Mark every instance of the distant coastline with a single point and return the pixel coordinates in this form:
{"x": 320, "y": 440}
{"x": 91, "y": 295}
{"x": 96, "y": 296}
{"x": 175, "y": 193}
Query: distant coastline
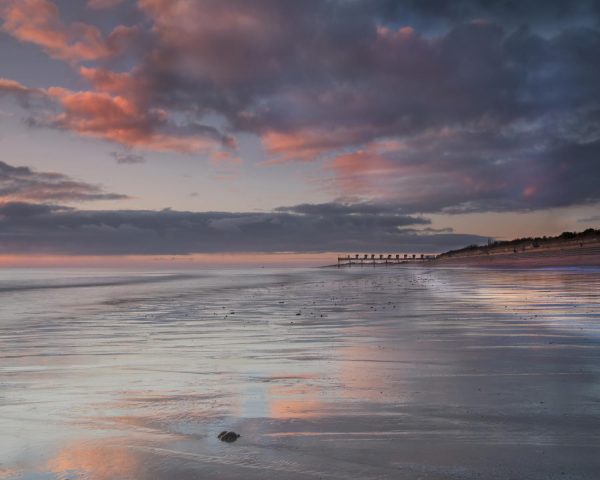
{"x": 565, "y": 250}
{"x": 569, "y": 249}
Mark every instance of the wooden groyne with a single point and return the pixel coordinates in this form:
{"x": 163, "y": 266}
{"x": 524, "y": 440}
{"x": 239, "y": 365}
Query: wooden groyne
{"x": 370, "y": 259}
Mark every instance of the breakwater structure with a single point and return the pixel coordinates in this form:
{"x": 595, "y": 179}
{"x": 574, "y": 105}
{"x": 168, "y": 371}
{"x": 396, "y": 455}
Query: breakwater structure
{"x": 371, "y": 259}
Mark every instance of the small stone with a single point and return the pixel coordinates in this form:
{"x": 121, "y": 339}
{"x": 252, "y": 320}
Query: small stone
{"x": 228, "y": 437}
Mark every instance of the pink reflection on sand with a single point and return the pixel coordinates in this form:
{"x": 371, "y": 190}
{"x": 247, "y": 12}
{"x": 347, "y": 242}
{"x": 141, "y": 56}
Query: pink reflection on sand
{"x": 298, "y": 400}
{"x": 97, "y": 460}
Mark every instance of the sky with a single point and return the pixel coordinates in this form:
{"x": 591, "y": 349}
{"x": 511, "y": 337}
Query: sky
{"x": 206, "y": 130}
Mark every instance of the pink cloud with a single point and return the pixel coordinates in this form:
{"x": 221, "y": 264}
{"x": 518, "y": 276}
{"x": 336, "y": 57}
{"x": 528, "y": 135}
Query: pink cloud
{"x": 123, "y": 83}
{"x": 303, "y": 145}
{"x": 12, "y": 86}
{"x": 200, "y": 32}
{"x": 226, "y": 157}
{"x": 123, "y": 118}
{"x": 362, "y": 172}
{"x": 530, "y": 191}
{"x": 39, "y": 22}
{"x": 118, "y": 119}
{"x": 309, "y": 144}
{"x": 402, "y": 34}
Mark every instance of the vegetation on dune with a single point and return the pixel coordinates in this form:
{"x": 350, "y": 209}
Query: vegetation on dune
{"x": 534, "y": 242}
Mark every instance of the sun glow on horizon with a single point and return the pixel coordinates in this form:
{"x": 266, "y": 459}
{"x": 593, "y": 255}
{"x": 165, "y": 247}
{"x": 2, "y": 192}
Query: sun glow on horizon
{"x": 169, "y": 261}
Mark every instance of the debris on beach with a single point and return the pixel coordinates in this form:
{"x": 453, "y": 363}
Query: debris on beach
{"x": 228, "y": 437}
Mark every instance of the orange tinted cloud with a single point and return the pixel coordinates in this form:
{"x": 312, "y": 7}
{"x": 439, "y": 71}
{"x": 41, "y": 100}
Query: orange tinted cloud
{"x": 306, "y": 144}
{"x": 530, "y": 191}
{"x": 295, "y": 145}
{"x": 12, "y": 86}
{"x": 201, "y": 32}
{"x": 226, "y": 157}
{"x": 118, "y": 119}
{"x": 134, "y": 88}
{"x": 38, "y": 22}
{"x": 118, "y": 111}
{"x": 401, "y": 35}
{"x": 109, "y": 81}
{"x": 358, "y": 172}
{"x": 368, "y": 168}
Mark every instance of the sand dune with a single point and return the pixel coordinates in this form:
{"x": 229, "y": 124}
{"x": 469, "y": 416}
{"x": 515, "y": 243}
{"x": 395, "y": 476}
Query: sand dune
{"x": 573, "y": 254}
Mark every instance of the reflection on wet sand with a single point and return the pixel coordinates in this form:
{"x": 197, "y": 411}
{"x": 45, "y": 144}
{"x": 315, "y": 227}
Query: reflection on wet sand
{"x": 97, "y": 460}
{"x": 9, "y": 472}
{"x": 400, "y": 373}
{"x": 300, "y": 400}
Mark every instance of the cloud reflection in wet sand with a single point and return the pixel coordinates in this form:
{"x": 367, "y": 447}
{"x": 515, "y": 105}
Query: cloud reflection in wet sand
{"x": 97, "y": 460}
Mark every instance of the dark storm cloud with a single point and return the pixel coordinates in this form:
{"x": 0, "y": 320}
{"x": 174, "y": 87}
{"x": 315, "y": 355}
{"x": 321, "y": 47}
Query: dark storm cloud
{"x": 548, "y": 13}
{"x": 25, "y": 184}
{"x": 24, "y": 210}
{"x": 339, "y": 208}
{"x": 495, "y": 170}
{"x": 506, "y": 91}
{"x": 50, "y": 229}
{"x": 272, "y": 65}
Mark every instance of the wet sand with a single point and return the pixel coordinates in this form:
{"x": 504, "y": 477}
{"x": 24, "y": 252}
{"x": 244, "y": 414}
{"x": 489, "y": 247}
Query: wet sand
{"x": 425, "y": 373}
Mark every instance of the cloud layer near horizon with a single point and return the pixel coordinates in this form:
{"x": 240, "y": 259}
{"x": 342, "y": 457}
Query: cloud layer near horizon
{"x": 52, "y": 229}
{"x": 32, "y": 220}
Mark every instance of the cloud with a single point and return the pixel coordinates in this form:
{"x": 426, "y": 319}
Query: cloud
{"x": 592, "y": 219}
{"x": 463, "y": 170}
{"x": 39, "y": 22}
{"x": 347, "y": 209}
{"x": 102, "y": 4}
{"x": 51, "y": 229}
{"x": 23, "y": 210}
{"x": 486, "y": 106}
{"x": 122, "y": 83}
{"x": 127, "y": 158}
{"x": 485, "y": 103}
{"x": 8, "y": 86}
{"x": 547, "y": 14}
{"x": 120, "y": 118}
{"x": 122, "y": 121}
{"x": 19, "y": 185}
{"x": 26, "y": 97}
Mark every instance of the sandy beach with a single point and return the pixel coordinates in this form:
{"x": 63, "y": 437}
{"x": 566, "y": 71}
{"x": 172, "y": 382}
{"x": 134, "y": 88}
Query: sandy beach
{"x": 555, "y": 254}
{"x": 399, "y": 373}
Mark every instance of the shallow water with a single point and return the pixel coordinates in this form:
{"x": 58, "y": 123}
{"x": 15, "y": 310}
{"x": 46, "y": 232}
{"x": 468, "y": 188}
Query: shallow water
{"x": 358, "y": 373}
